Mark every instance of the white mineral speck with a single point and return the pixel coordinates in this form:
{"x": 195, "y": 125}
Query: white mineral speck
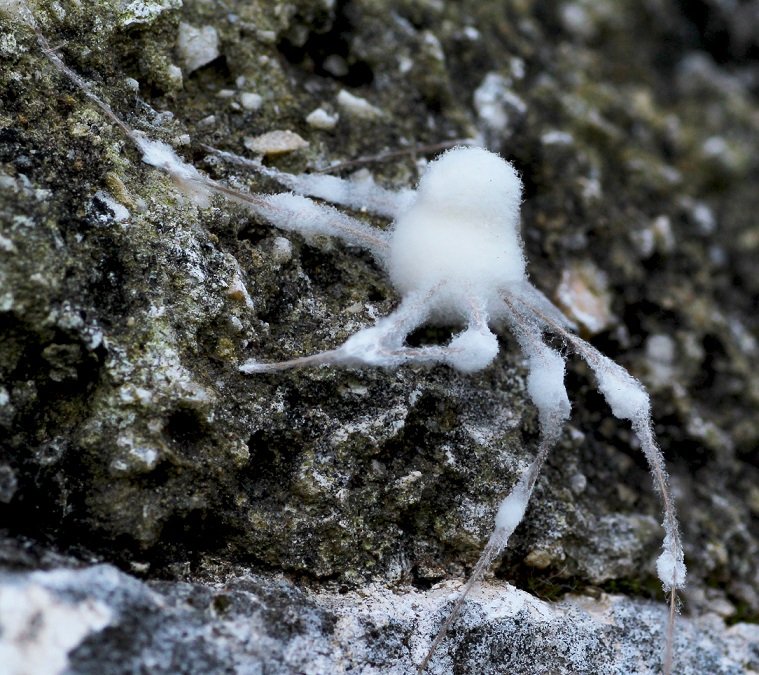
{"x": 405, "y": 64}
{"x": 496, "y": 103}
{"x": 578, "y": 482}
{"x": 276, "y": 142}
{"x": 584, "y": 295}
{"x": 704, "y": 218}
{"x": 144, "y": 458}
{"x": 358, "y": 107}
{"x": 197, "y": 46}
{"x": 282, "y": 250}
{"x": 660, "y": 354}
{"x": 251, "y": 101}
{"x": 174, "y": 74}
{"x": 145, "y": 11}
{"x": 120, "y": 212}
{"x": 237, "y": 291}
{"x": 556, "y": 138}
{"x": 8, "y": 44}
{"x": 6, "y": 244}
{"x": 335, "y": 65}
{"x": 321, "y": 119}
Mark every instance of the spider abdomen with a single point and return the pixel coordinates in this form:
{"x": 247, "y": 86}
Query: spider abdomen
{"x": 462, "y": 232}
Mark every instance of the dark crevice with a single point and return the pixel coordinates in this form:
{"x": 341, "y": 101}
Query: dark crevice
{"x": 186, "y": 428}
{"x": 727, "y": 32}
{"x": 214, "y": 73}
{"x": 328, "y": 54}
{"x": 272, "y": 464}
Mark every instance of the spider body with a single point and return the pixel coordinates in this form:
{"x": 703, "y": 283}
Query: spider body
{"x": 461, "y": 235}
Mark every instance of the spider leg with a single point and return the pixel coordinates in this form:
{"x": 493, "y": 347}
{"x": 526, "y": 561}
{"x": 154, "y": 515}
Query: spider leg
{"x": 545, "y": 384}
{"x": 295, "y": 213}
{"x": 469, "y": 351}
{"x": 286, "y": 211}
{"x": 530, "y": 296}
{"x": 629, "y": 400}
{"x": 378, "y": 345}
{"x": 321, "y": 359}
{"x": 361, "y": 194}
{"x": 383, "y": 344}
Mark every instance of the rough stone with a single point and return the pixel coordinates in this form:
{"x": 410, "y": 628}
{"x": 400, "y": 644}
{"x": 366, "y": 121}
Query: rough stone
{"x": 258, "y": 624}
{"x": 128, "y": 436}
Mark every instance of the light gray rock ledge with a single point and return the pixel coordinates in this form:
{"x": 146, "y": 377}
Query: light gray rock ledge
{"x": 101, "y": 620}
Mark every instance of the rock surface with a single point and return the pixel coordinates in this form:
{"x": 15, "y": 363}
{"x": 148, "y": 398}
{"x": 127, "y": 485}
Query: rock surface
{"x": 101, "y": 620}
{"x": 128, "y": 436}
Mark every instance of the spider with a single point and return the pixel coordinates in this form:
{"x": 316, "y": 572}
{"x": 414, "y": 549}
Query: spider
{"x": 455, "y": 256}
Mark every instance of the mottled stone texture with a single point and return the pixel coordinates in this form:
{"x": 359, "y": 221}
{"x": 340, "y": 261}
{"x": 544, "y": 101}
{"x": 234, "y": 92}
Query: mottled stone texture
{"x": 99, "y": 620}
{"x": 128, "y": 436}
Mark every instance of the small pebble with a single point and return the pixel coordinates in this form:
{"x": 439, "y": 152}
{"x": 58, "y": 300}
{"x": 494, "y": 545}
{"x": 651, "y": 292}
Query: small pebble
{"x": 276, "y": 142}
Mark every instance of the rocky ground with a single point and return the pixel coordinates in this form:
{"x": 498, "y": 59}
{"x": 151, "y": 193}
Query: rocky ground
{"x": 162, "y": 512}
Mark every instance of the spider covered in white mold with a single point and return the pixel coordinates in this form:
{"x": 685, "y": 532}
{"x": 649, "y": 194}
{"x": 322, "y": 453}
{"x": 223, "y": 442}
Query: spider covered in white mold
{"x": 455, "y": 256}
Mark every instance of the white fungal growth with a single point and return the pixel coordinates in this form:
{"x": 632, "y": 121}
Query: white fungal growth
{"x": 671, "y": 571}
{"x": 186, "y": 177}
{"x": 162, "y": 156}
{"x": 299, "y": 214}
{"x": 462, "y": 232}
{"x": 455, "y": 255}
{"x": 511, "y": 511}
{"x": 473, "y": 350}
{"x": 626, "y": 396}
{"x": 361, "y": 194}
{"x": 545, "y": 383}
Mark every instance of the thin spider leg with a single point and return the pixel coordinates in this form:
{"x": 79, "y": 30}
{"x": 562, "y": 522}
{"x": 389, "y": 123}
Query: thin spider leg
{"x": 359, "y": 194}
{"x": 413, "y": 311}
{"x": 478, "y": 317}
{"x": 546, "y": 388}
{"x": 613, "y": 374}
{"x": 382, "y": 157}
{"x": 393, "y": 357}
{"x": 321, "y": 359}
{"x": 550, "y": 396}
{"x": 628, "y": 400}
{"x": 469, "y": 351}
{"x": 475, "y": 347}
{"x": 56, "y": 60}
{"x": 286, "y": 211}
{"x": 382, "y": 344}
{"x": 529, "y": 295}
{"x": 299, "y": 214}
{"x": 378, "y": 345}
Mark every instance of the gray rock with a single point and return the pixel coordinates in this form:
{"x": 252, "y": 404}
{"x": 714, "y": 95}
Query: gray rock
{"x": 100, "y": 620}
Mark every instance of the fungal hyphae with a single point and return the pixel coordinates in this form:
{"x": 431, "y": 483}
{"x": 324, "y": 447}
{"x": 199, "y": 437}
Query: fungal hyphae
{"x": 454, "y": 255}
